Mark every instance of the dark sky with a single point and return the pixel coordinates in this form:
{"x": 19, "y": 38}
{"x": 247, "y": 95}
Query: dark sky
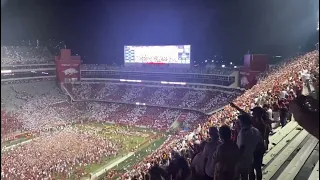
{"x": 98, "y": 29}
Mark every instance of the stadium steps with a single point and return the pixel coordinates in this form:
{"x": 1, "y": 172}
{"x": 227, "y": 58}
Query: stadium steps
{"x": 315, "y": 172}
{"x": 292, "y": 154}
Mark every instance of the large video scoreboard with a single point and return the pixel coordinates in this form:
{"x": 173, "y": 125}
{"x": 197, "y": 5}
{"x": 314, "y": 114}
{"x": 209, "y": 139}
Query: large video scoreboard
{"x": 173, "y": 54}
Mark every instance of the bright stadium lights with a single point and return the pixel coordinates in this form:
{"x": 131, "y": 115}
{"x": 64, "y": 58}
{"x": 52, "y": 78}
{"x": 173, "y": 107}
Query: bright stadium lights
{"x": 129, "y": 80}
{"x": 212, "y": 61}
{"x": 5, "y": 71}
{"x": 205, "y": 60}
{"x": 140, "y": 104}
{"x": 223, "y": 65}
{"x": 178, "y": 83}
{"x": 234, "y": 66}
{"x": 230, "y": 63}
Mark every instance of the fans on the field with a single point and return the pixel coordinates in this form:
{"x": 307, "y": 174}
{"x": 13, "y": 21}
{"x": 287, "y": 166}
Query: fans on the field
{"x": 63, "y": 154}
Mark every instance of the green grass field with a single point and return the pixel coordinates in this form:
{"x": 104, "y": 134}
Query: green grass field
{"x": 14, "y": 142}
{"x": 141, "y": 141}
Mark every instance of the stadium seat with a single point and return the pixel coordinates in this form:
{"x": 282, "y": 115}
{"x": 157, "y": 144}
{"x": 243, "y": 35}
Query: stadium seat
{"x": 290, "y": 148}
{"x": 315, "y": 173}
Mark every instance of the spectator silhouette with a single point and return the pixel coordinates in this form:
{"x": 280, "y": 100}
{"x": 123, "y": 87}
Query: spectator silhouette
{"x": 226, "y": 156}
{"x": 209, "y": 149}
{"x": 247, "y": 141}
{"x": 197, "y": 165}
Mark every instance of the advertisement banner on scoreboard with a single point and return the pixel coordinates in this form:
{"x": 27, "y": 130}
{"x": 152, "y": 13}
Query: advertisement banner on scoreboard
{"x": 247, "y": 79}
{"x": 178, "y": 54}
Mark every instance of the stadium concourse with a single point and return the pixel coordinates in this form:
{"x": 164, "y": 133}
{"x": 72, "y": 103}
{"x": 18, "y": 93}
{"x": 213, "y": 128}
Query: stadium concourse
{"x": 58, "y": 133}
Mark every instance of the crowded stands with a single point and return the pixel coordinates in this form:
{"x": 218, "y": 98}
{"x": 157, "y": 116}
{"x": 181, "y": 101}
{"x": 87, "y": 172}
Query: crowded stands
{"x": 204, "y": 101}
{"x": 50, "y": 108}
{"x": 274, "y": 92}
{"x": 206, "y": 70}
{"x": 18, "y": 55}
{"x": 68, "y": 152}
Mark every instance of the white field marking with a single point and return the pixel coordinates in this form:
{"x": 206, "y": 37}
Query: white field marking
{"x": 107, "y": 167}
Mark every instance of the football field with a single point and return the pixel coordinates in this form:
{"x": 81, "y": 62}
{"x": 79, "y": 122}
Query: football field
{"x": 136, "y": 143}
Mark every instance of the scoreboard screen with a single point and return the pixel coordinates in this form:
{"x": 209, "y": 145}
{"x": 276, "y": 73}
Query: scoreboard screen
{"x": 179, "y": 54}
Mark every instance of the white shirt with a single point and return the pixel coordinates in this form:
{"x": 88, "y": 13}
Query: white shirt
{"x": 283, "y": 94}
{"x": 276, "y": 116}
{"x": 208, "y": 151}
{"x": 269, "y": 112}
{"x": 249, "y": 138}
{"x": 305, "y": 77}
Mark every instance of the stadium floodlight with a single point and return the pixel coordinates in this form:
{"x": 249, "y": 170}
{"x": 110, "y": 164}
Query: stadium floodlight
{"x": 230, "y": 63}
{"x": 234, "y": 66}
{"x": 223, "y": 65}
{"x": 212, "y": 61}
{"x": 5, "y": 71}
{"x": 205, "y": 60}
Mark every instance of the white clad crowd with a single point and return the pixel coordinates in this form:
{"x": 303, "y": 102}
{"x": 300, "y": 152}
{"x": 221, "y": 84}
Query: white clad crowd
{"x": 15, "y": 55}
{"x": 44, "y": 79}
{"x": 203, "y": 100}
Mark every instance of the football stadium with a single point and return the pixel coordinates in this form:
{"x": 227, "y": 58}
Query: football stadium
{"x": 156, "y": 117}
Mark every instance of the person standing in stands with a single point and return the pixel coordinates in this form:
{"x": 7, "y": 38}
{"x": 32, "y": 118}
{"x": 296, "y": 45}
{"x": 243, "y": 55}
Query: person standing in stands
{"x": 197, "y": 165}
{"x": 264, "y": 129}
{"x": 208, "y": 151}
{"x": 247, "y": 141}
{"x": 283, "y": 114}
{"x": 261, "y": 121}
{"x": 226, "y": 156}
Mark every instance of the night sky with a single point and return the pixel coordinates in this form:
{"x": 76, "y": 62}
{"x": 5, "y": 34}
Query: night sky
{"x": 98, "y": 29}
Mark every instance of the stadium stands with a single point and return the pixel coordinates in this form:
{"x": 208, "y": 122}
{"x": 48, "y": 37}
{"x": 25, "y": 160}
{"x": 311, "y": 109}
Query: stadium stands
{"x": 38, "y": 108}
{"x": 284, "y": 143}
{"x": 215, "y": 70}
{"x": 15, "y": 55}
{"x": 201, "y": 100}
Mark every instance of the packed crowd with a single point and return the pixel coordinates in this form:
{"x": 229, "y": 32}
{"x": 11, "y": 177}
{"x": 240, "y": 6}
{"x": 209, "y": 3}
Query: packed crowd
{"x": 215, "y": 153}
{"x": 15, "y": 55}
{"x": 40, "y": 106}
{"x": 205, "y": 101}
{"x": 42, "y": 111}
{"x": 62, "y": 154}
{"x": 44, "y": 79}
{"x": 207, "y": 70}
